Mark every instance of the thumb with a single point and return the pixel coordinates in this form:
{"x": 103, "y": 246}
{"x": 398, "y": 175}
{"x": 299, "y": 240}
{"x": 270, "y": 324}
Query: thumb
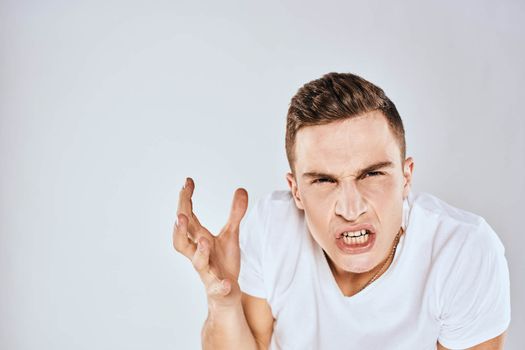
{"x": 238, "y": 209}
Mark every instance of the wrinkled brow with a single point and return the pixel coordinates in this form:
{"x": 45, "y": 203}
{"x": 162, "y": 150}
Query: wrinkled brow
{"x": 369, "y": 168}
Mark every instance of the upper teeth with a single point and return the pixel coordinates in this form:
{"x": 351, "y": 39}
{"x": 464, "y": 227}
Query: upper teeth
{"x": 354, "y": 234}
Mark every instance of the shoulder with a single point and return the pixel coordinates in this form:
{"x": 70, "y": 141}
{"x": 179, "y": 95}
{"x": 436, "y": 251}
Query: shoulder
{"x": 437, "y": 207}
{"x": 275, "y": 209}
{"x": 468, "y": 276}
{"x": 276, "y": 201}
{"x": 273, "y": 215}
{"x": 272, "y": 238}
{"x": 451, "y": 229}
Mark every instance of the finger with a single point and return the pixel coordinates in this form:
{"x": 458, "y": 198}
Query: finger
{"x": 201, "y": 263}
{"x": 201, "y": 258}
{"x": 181, "y": 237}
{"x": 238, "y": 209}
{"x": 185, "y": 205}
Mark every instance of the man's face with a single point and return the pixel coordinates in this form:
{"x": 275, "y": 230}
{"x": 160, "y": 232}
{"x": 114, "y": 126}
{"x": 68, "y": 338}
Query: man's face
{"x": 349, "y": 177}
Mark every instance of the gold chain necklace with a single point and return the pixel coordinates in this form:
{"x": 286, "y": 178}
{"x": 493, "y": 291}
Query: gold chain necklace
{"x": 396, "y": 241}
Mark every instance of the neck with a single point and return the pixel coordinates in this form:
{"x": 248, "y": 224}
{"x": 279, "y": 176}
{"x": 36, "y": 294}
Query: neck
{"x": 352, "y": 283}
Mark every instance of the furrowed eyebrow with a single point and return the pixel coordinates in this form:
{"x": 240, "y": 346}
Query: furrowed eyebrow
{"x": 372, "y": 167}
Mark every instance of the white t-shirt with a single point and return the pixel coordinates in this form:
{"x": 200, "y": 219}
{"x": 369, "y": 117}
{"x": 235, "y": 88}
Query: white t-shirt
{"x": 449, "y": 281}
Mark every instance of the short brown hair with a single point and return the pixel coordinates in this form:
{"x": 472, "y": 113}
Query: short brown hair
{"x": 337, "y": 96}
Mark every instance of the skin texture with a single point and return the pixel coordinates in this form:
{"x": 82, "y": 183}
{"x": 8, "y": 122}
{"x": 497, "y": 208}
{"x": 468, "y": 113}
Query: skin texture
{"x": 260, "y": 319}
{"x": 346, "y": 194}
{"x": 216, "y": 258}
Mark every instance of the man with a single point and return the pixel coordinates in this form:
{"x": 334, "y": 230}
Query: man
{"x": 349, "y": 258}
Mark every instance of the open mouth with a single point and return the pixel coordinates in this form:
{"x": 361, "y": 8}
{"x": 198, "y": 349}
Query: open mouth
{"x": 355, "y": 238}
{"x": 356, "y": 242}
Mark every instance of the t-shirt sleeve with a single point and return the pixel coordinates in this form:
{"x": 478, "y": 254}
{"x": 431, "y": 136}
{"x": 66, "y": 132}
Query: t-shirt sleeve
{"x": 251, "y": 240}
{"x": 475, "y": 296}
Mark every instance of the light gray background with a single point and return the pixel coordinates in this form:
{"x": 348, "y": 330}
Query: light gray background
{"x": 107, "y": 105}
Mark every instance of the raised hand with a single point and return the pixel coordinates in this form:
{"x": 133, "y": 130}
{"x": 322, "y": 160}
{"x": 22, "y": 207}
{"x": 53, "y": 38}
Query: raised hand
{"x": 215, "y": 258}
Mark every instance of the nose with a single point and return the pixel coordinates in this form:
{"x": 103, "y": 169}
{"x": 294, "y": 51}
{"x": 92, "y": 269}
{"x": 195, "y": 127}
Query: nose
{"x": 350, "y": 204}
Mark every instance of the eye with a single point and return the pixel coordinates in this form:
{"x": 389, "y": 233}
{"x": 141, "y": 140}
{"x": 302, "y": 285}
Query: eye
{"x": 322, "y": 180}
{"x": 373, "y": 173}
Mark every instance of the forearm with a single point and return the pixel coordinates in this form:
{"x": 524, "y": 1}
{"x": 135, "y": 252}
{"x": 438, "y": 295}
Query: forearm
{"x": 227, "y": 328}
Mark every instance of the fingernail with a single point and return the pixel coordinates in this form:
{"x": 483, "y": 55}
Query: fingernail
{"x": 200, "y": 246}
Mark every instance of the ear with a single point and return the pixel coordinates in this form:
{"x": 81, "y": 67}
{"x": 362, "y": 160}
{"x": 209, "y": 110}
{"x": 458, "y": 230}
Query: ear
{"x": 292, "y": 183}
{"x": 408, "y": 169}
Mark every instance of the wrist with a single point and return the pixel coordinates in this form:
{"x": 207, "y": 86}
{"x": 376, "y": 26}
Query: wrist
{"x": 220, "y": 315}
{"x": 224, "y": 307}
{"x": 226, "y": 328}
{"x": 227, "y": 299}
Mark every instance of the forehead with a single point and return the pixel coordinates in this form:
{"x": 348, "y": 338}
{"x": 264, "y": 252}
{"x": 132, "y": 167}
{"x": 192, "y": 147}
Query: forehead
{"x": 346, "y": 144}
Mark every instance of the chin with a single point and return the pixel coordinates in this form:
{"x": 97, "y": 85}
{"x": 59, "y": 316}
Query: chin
{"x": 356, "y": 264}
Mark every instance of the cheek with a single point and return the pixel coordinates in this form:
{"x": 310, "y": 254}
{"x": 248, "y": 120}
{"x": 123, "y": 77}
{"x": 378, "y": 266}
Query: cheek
{"x": 387, "y": 202}
{"x": 381, "y": 189}
{"x": 317, "y": 198}
{"x": 318, "y": 210}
